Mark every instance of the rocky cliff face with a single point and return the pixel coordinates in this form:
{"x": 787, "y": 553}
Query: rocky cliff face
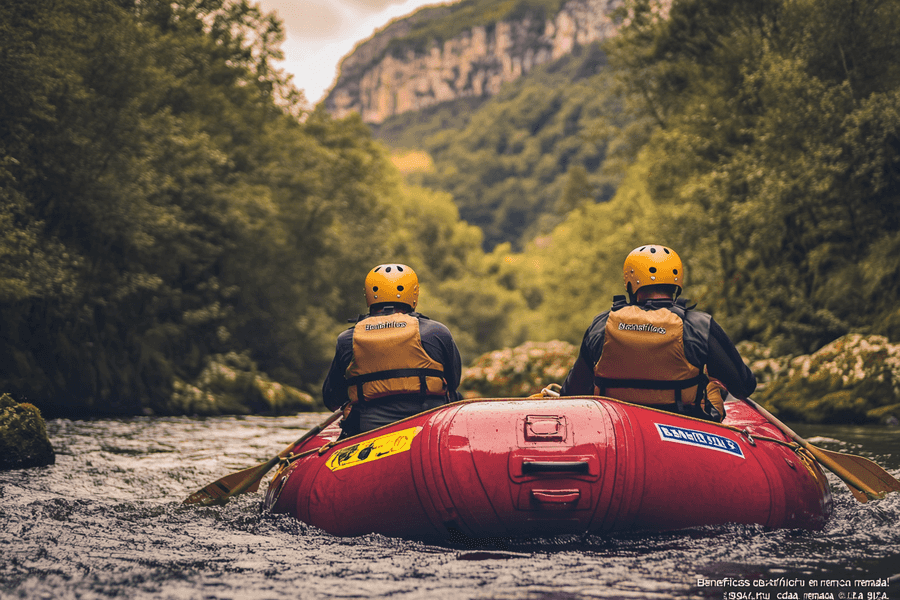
{"x": 379, "y": 84}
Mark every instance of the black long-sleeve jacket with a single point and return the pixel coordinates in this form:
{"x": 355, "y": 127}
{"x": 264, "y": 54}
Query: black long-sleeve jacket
{"x": 723, "y": 361}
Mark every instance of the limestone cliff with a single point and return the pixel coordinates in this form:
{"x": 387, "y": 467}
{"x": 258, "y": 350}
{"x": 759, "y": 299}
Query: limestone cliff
{"x": 380, "y": 79}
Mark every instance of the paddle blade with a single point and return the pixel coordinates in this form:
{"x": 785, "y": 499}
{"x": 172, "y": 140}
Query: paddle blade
{"x": 861, "y": 496}
{"x": 868, "y": 472}
{"x": 221, "y": 488}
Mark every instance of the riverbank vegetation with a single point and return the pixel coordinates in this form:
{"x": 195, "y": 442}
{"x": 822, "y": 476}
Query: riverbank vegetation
{"x": 854, "y": 379}
{"x": 172, "y": 210}
{"x": 169, "y": 199}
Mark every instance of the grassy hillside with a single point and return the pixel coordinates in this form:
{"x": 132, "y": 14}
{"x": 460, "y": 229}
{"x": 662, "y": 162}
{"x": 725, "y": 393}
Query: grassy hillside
{"x": 517, "y": 163}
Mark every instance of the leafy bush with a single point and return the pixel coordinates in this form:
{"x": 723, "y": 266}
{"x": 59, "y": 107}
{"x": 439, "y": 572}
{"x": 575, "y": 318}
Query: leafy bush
{"x": 855, "y": 379}
{"x": 520, "y": 371}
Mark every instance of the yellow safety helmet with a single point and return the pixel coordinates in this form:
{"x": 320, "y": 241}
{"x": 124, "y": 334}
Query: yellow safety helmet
{"x": 653, "y": 265}
{"x": 392, "y": 283}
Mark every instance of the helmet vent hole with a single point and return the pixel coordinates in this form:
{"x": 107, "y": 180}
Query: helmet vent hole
{"x": 652, "y": 250}
{"x": 376, "y": 269}
{"x": 375, "y": 289}
{"x": 400, "y": 268}
{"x": 666, "y": 250}
{"x": 675, "y": 271}
{"x": 388, "y": 270}
{"x": 653, "y": 269}
{"x": 399, "y": 288}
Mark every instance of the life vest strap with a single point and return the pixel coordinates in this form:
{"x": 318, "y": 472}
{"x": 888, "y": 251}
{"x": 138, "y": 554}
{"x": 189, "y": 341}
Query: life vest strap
{"x": 604, "y": 383}
{"x": 359, "y": 380}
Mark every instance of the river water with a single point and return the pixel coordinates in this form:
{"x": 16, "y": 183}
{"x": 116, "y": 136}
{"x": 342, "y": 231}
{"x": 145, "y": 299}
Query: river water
{"x": 106, "y": 521}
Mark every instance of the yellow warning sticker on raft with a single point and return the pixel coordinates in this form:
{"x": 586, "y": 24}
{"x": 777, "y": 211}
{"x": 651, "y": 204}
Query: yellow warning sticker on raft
{"x": 373, "y": 449}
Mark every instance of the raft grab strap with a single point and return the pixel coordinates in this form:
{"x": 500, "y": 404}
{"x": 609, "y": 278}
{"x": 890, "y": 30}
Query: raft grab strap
{"x": 797, "y": 448}
{"x": 746, "y": 433}
{"x": 752, "y": 439}
{"x": 286, "y": 460}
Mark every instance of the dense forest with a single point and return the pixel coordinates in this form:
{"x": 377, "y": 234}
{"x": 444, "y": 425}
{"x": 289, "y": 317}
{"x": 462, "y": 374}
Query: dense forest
{"x": 760, "y": 139}
{"x": 167, "y": 196}
{"x": 520, "y": 162}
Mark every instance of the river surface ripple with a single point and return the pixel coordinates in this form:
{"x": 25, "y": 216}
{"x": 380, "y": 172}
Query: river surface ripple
{"x": 106, "y": 521}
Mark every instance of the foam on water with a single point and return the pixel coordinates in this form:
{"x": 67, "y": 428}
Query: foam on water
{"x": 107, "y": 521}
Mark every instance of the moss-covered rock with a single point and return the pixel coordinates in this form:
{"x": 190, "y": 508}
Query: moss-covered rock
{"x": 23, "y": 436}
{"x": 763, "y": 363}
{"x": 520, "y": 371}
{"x": 855, "y": 379}
{"x": 231, "y": 385}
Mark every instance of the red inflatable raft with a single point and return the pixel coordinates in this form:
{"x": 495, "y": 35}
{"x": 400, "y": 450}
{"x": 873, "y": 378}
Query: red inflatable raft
{"x": 527, "y": 467}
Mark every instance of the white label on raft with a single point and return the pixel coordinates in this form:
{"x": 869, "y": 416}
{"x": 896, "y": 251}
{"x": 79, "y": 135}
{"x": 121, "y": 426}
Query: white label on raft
{"x": 373, "y": 449}
{"x": 701, "y": 439}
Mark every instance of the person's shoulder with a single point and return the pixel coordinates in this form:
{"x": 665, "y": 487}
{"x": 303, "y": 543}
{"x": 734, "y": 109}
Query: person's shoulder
{"x": 600, "y": 319}
{"x": 425, "y": 319}
{"x": 692, "y": 312}
{"x": 428, "y": 324}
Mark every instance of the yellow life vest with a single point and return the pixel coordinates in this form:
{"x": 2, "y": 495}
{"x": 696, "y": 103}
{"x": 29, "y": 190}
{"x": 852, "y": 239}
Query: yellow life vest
{"x": 643, "y": 359}
{"x": 389, "y": 359}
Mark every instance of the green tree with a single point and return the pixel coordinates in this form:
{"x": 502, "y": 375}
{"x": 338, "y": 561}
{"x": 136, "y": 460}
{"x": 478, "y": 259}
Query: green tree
{"x": 757, "y": 113}
{"x": 577, "y": 190}
{"x": 120, "y": 163}
{"x": 509, "y": 165}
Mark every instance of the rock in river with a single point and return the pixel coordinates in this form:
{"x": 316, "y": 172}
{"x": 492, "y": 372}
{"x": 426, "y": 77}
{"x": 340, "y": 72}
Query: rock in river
{"x": 23, "y": 436}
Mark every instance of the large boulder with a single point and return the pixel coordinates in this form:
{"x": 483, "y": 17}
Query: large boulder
{"x": 520, "y": 371}
{"x": 854, "y": 379}
{"x": 23, "y": 436}
{"x": 231, "y": 385}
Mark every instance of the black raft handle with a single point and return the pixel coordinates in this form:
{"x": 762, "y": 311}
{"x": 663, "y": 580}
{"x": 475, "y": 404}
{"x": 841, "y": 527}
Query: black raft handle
{"x": 535, "y": 466}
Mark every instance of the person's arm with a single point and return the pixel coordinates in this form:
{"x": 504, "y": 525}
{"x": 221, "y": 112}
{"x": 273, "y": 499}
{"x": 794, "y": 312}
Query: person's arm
{"x": 334, "y": 390}
{"x": 725, "y": 364}
{"x": 439, "y": 344}
{"x": 454, "y": 378}
{"x": 580, "y": 380}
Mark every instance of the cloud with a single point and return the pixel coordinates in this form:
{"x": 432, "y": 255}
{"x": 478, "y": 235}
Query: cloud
{"x": 308, "y": 19}
{"x": 372, "y": 5}
{"x": 325, "y": 19}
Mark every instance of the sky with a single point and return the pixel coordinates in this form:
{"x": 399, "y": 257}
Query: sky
{"x": 319, "y": 33}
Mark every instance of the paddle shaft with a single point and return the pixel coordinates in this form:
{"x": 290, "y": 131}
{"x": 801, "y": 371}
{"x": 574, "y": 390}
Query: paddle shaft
{"x": 219, "y": 491}
{"x": 264, "y": 468}
{"x": 846, "y": 476}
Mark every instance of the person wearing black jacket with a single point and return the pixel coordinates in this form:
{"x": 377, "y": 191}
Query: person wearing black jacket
{"x": 393, "y": 363}
{"x": 654, "y": 349}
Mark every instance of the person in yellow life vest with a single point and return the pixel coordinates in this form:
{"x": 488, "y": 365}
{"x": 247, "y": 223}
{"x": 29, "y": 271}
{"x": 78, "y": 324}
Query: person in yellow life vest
{"x": 654, "y": 349}
{"x": 394, "y": 363}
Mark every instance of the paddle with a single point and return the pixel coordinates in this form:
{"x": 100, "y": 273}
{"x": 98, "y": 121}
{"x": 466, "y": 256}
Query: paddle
{"x": 221, "y": 490}
{"x": 866, "y": 480}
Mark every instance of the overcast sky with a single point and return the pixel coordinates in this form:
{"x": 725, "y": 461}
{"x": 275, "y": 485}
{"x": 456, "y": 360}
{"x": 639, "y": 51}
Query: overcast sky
{"x": 321, "y": 32}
